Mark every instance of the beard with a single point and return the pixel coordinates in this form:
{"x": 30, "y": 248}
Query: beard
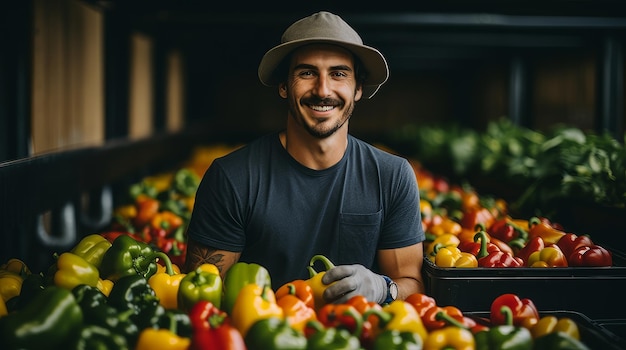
{"x": 320, "y": 131}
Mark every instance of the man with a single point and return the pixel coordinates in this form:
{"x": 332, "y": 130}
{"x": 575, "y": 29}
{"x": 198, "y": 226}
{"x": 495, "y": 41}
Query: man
{"x": 313, "y": 188}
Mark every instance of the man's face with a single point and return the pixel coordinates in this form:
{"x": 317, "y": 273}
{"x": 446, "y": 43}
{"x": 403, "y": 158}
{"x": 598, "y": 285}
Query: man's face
{"x": 321, "y": 89}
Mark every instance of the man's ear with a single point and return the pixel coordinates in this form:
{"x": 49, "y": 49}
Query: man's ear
{"x": 358, "y": 93}
{"x": 282, "y": 90}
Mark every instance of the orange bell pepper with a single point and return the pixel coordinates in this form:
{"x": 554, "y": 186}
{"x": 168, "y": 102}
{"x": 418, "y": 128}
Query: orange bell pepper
{"x": 296, "y": 311}
{"x": 299, "y": 288}
{"x": 548, "y": 233}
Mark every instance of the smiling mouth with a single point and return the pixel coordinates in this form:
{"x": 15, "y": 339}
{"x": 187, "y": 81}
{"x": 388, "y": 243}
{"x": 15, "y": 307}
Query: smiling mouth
{"x": 319, "y": 108}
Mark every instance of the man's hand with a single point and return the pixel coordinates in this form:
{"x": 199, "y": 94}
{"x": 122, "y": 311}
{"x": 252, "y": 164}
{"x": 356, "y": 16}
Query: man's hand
{"x": 351, "y": 280}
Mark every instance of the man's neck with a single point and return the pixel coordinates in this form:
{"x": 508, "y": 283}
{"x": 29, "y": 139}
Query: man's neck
{"x": 312, "y": 152}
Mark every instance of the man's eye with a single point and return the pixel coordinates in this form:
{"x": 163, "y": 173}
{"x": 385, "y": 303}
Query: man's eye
{"x": 339, "y": 74}
{"x": 305, "y": 73}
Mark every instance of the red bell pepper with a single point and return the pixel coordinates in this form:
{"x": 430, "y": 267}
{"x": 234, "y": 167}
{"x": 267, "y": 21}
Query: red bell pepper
{"x": 339, "y": 316}
{"x": 477, "y": 216}
{"x": 432, "y": 318}
{"x": 524, "y": 310}
{"x": 480, "y": 247}
{"x": 534, "y": 244}
{"x": 506, "y": 231}
{"x": 212, "y": 329}
{"x": 593, "y": 255}
{"x": 571, "y": 242}
{"x": 500, "y": 259}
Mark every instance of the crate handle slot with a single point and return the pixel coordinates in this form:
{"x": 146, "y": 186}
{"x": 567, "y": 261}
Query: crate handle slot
{"x": 67, "y": 228}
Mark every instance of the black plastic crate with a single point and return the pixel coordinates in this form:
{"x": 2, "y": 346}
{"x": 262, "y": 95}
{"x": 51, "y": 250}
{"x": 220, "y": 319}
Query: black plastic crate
{"x": 592, "y": 333}
{"x": 596, "y": 292}
{"x": 617, "y": 327}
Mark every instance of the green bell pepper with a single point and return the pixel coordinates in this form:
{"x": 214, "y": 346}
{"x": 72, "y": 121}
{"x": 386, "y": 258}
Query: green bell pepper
{"x": 132, "y": 293}
{"x": 45, "y": 322}
{"x": 397, "y": 340}
{"x": 331, "y": 338}
{"x": 199, "y": 285}
{"x": 181, "y": 320}
{"x": 274, "y": 333}
{"x": 506, "y": 336}
{"x": 128, "y": 256}
{"x": 558, "y": 341}
{"x": 94, "y": 337}
{"x": 239, "y": 275}
{"x": 92, "y": 248}
{"x": 97, "y": 312}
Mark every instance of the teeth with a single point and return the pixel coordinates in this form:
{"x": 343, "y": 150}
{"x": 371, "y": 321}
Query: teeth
{"x": 322, "y": 108}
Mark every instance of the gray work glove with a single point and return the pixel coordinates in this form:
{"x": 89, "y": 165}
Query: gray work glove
{"x": 351, "y": 280}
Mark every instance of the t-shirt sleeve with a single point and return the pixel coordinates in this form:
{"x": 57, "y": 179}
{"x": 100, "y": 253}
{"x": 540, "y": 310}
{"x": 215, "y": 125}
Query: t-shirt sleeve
{"x": 403, "y": 222}
{"x": 216, "y": 220}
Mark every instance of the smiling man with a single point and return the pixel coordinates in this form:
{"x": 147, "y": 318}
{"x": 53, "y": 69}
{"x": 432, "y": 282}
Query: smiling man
{"x": 312, "y": 188}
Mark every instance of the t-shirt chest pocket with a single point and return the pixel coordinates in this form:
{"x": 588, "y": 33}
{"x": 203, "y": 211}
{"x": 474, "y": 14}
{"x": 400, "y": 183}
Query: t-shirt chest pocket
{"x": 359, "y": 233}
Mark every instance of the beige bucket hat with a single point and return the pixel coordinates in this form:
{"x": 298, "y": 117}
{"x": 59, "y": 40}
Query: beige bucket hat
{"x": 325, "y": 27}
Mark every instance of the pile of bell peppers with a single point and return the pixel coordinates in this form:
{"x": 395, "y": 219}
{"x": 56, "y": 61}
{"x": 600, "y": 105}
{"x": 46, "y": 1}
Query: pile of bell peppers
{"x": 453, "y": 216}
{"x": 127, "y": 295}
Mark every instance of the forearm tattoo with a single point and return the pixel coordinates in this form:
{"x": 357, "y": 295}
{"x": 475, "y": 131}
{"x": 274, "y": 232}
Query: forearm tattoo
{"x": 197, "y": 256}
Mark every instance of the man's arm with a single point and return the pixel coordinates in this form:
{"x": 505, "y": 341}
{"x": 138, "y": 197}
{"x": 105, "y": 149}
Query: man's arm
{"x": 198, "y": 254}
{"x": 404, "y": 266}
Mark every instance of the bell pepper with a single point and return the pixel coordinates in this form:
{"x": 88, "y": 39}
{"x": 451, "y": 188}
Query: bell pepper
{"x": 506, "y": 230}
{"x": 534, "y": 244}
{"x": 593, "y": 255}
{"x": 443, "y": 225}
{"x": 522, "y": 310}
{"x": 97, "y": 312}
{"x": 167, "y": 221}
{"x": 445, "y": 240}
{"x": 166, "y": 285}
{"x": 505, "y": 335}
{"x": 300, "y": 288}
{"x": 480, "y": 246}
{"x": 551, "y": 324}
{"x": 10, "y": 285}
{"x": 31, "y": 286}
{"x": 132, "y": 293}
{"x": 274, "y": 333}
{"x": 71, "y": 270}
{"x": 551, "y": 256}
{"x": 362, "y": 305}
{"x": 186, "y": 182}
{"x": 570, "y": 242}
{"x": 433, "y": 319}
{"x": 184, "y": 327}
{"x": 147, "y": 208}
{"x": 16, "y": 266}
{"x": 97, "y": 337}
{"x": 450, "y": 337}
{"x": 162, "y": 338}
{"x": 548, "y": 233}
{"x": 478, "y": 215}
{"x": 454, "y": 257}
{"x": 558, "y": 341}
{"x": 239, "y": 275}
{"x": 321, "y": 338}
{"x": 128, "y": 256}
{"x": 45, "y": 322}
{"x": 105, "y": 286}
{"x": 500, "y": 259}
{"x": 212, "y": 329}
{"x": 204, "y": 283}
{"x": 296, "y": 312}
{"x": 92, "y": 248}
{"x": 398, "y": 315}
{"x": 254, "y": 302}
{"x": 341, "y": 316}
{"x": 315, "y": 279}
{"x": 396, "y": 340}
{"x": 421, "y": 302}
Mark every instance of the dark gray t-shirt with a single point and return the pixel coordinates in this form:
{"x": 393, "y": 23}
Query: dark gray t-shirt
{"x": 260, "y": 201}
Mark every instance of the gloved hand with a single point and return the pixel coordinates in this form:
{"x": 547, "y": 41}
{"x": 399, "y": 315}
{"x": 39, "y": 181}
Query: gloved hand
{"x": 351, "y": 280}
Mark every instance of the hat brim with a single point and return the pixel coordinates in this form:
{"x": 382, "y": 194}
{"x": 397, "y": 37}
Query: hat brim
{"x": 372, "y": 59}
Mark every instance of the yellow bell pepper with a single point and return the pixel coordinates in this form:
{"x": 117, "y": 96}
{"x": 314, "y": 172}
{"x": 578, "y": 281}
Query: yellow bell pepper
{"x": 10, "y": 285}
{"x": 315, "y": 280}
{"x": 454, "y": 257}
{"x": 446, "y": 226}
{"x": 550, "y": 324}
{"x": 254, "y": 303}
{"x": 71, "y": 270}
{"x": 165, "y": 285}
{"x": 450, "y": 337}
{"x": 16, "y": 266}
{"x": 105, "y": 286}
{"x": 398, "y": 315}
{"x": 3, "y": 308}
{"x": 445, "y": 240}
{"x": 151, "y": 338}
